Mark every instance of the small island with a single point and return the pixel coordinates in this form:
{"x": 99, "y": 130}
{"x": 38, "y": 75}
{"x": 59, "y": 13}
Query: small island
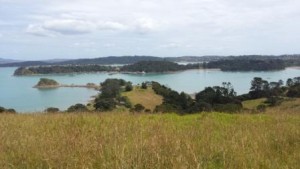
{"x": 47, "y": 83}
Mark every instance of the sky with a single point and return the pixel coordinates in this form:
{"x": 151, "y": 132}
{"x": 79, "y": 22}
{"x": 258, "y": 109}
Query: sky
{"x": 48, "y": 29}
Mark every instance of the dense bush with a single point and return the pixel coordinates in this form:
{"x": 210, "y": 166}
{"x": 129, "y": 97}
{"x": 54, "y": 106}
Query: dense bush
{"x": 144, "y": 85}
{"x": 4, "y": 110}
{"x": 106, "y": 104}
{"x": 247, "y": 64}
{"x": 294, "y": 91}
{"x": 110, "y": 96}
{"x": 52, "y": 110}
{"x": 157, "y": 66}
{"x": 128, "y": 87}
{"x": 78, "y": 108}
{"x": 138, "y": 108}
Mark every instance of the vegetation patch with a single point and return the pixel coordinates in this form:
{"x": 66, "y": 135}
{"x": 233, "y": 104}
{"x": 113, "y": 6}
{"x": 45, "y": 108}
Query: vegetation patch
{"x": 46, "y": 83}
{"x": 146, "y": 97}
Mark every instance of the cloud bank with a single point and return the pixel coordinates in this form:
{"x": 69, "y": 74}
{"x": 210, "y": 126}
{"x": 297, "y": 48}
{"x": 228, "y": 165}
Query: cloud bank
{"x": 148, "y": 27}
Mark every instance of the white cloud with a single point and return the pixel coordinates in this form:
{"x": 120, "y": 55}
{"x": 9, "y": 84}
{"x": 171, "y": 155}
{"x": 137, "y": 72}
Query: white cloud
{"x": 38, "y": 30}
{"x": 144, "y": 25}
{"x": 77, "y": 26}
{"x": 111, "y": 26}
{"x": 207, "y": 26}
{"x": 72, "y": 27}
{"x": 69, "y": 26}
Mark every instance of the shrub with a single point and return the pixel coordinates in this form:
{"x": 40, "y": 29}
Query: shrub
{"x": 105, "y": 104}
{"x": 77, "y": 108}
{"x": 274, "y": 101}
{"x": 2, "y": 109}
{"x": 138, "y": 108}
{"x": 124, "y": 101}
{"x": 128, "y": 87}
{"x": 12, "y": 111}
{"x": 144, "y": 85}
{"x": 52, "y": 110}
{"x": 200, "y": 107}
{"x": 261, "y": 108}
{"x": 148, "y": 111}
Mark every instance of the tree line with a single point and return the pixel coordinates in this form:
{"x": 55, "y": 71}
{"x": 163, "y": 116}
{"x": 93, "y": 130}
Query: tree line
{"x": 143, "y": 66}
{"x": 246, "y": 65}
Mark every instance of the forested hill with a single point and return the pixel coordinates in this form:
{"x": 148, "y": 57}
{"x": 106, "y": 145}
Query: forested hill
{"x": 157, "y": 66}
{"x": 247, "y": 65}
{"x": 290, "y": 60}
{"x": 143, "y": 66}
{"x": 23, "y": 71}
{"x": 99, "y": 61}
{"x": 113, "y": 60}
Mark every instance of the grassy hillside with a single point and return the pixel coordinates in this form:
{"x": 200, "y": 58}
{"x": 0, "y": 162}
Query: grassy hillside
{"x": 123, "y": 140}
{"x": 146, "y": 97}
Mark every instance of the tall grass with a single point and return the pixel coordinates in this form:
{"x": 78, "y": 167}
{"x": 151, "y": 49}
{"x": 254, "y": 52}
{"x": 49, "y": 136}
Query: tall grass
{"x": 123, "y": 140}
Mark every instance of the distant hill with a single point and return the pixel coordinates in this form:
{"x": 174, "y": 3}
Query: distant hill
{"x": 4, "y": 61}
{"x": 25, "y": 64}
{"x": 290, "y": 60}
{"x": 112, "y": 60}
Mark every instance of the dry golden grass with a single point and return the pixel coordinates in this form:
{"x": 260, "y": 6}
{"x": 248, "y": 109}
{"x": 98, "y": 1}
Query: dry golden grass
{"x": 147, "y": 98}
{"x": 288, "y": 106}
{"x": 123, "y": 140}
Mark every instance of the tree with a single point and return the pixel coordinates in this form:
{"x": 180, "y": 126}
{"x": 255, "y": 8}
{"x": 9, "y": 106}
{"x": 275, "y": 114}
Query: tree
{"x": 128, "y": 87}
{"x": 2, "y": 109}
{"x": 138, "y": 108}
{"x": 105, "y": 104}
{"x": 257, "y": 84}
{"x": 144, "y": 85}
{"x": 52, "y": 110}
{"x": 259, "y": 88}
{"x": 289, "y": 82}
{"x": 77, "y": 108}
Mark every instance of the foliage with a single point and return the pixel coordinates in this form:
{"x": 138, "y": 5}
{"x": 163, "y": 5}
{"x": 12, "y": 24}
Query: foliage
{"x": 294, "y": 91}
{"x": 4, "y": 110}
{"x": 128, "y": 87}
{"x": 273, "y": 101}
{"x": 173, "y": 101}
{"x": 247, "y": 64}
{"x": 62, "y": 69}
{"x": 156, "y": 66}
{"x": 52, "y": 110}
{"x": 105, "y": 104}
{"x": 47, "y": 82}
{"x": 138, "y": 108}
{"x": 77, "y": 108}
{"x": 144, "y": 85}
{"x": 110, "y": 95}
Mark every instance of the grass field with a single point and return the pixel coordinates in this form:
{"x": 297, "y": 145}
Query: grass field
{"x": 252, "y": 104}
{"x": 147, "y": 97}
{"x": 124, "y": 140}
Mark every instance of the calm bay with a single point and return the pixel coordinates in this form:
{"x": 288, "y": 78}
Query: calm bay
{"x": 17, "y": 91}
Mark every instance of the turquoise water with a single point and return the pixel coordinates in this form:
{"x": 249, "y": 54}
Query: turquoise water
{"x": 17, "y": 92}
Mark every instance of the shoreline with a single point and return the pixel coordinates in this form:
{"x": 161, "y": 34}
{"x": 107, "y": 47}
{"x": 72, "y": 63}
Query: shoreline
{"x": 96, "y": 87}
{"x": 115, "y": 72}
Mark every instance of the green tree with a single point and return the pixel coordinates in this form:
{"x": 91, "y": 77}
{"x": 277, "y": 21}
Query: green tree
{"x": 77, "y": 108}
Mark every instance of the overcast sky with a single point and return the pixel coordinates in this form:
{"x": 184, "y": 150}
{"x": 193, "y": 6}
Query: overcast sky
{"x": 47, "y": 29}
